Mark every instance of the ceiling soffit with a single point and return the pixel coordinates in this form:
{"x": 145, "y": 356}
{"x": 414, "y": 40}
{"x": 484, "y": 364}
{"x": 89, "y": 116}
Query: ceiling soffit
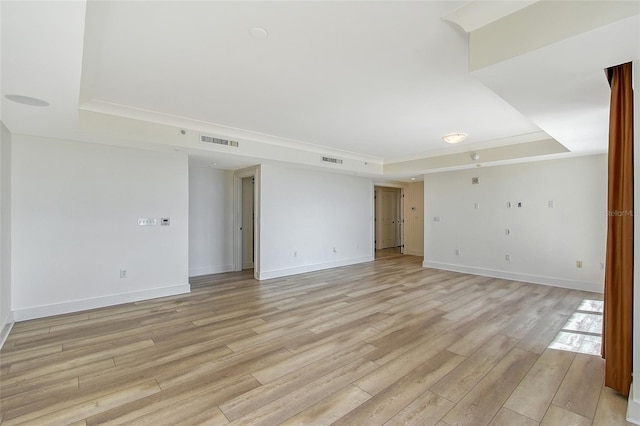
{"x": 500, "y": 66}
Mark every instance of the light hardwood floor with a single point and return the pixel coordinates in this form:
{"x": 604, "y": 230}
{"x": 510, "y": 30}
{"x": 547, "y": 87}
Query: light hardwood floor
{"x": 386, "y": 342}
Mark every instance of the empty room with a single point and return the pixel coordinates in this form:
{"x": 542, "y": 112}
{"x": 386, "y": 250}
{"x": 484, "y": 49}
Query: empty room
{"x": 318, "y": 212}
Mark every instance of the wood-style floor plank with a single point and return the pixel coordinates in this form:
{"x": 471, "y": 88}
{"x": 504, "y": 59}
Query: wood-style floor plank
{"x": 455, "y": 385}
{"x": 385, "y": 342}
{"x": 330, "y": 409}
{"x": 482, "y": 403}
{"x": 611, "y": 409}
{"x": 251, "y": 401}
{"x": 506, "y": 417}
{"x": 581, "y": 387}
{"x": 559, "y": 416}
{"x": 394, "y": 398}
{"x": 534, "y": 394}
{"x": 427, "y": 409}
{"x": 307, "y": 395}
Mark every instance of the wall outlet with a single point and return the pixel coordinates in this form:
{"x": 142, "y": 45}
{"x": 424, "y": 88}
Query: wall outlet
{"x": 476, "y": 206}
{"x": 578, "y": 263}
{"x": 123, "y": 273}
{"x": 507, "y": 257}
{"x": 550, "y": 204}
{"x": 508, "y": 204}
{"x": 507, "y": 231}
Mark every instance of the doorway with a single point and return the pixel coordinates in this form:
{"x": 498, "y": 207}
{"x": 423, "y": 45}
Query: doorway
{"x": 246, "y": 220}
{"x": 389, "y": 218}
{"x": 248, "y": 217}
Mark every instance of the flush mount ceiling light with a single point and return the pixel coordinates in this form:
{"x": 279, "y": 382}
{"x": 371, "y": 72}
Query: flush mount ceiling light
{"x": 258, "y": 33}
{"x": 454, "y": 137}
{"x": 27, "y": 100}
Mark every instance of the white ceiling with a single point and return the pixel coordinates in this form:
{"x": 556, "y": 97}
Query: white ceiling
{"x": 374, "y": 81}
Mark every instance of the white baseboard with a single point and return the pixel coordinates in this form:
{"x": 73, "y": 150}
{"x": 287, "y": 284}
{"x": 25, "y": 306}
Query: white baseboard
{"x": 265, "y": 275}
{"x": 97, "y": 302}
{"x": 210, "y": 269}
{"x": 633, "y": 409}
{"x": 515, "y": 276}
{"x": 6, "y": 329}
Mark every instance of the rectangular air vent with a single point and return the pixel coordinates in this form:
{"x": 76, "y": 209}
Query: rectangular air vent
{"x": 211, "y": 139}
{"x": 332, "y": 160}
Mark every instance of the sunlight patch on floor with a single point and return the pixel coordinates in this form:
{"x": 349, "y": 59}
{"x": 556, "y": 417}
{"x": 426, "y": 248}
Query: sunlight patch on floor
{"x": 582, "y": 332}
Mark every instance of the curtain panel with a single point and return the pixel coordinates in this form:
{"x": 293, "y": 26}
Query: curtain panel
{"x": 617, "y": 333}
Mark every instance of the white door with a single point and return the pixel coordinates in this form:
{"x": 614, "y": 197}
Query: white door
{"x": 247, "y": 222}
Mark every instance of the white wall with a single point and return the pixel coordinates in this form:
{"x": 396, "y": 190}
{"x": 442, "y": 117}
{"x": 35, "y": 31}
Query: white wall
{"x": 305, "y": 214}
{"x": 210, "y": 221}
{"x": 414, "y": 219}
{"x": 544, "y": 244}
{"x": 75, "y": 210}
{"x": 6, "y": 317}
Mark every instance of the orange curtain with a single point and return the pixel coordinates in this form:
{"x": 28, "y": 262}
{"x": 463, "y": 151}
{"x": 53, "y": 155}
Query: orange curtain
{"x": 617, "y": 333}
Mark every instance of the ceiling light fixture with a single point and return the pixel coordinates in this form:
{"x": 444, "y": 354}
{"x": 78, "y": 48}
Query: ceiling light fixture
{"x": 27, "y": 100}
{"x": 454, "y": 137}
{"x": 475, "y": 156}
{"x": 258, "y": 33}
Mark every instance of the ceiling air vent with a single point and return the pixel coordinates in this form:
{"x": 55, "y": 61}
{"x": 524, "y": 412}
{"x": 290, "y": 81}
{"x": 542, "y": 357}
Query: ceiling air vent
{"x": 332, "y": 160}
{"x": 211, "y": 139}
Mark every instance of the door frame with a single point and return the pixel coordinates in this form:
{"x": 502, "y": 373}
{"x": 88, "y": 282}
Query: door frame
{"x": 238, "y": 175}
{"x": 403, "y": 187}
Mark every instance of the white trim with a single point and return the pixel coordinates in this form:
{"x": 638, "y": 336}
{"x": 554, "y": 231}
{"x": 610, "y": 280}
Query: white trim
{"x": 311, "y": 268}
{"x": 633, "y": 408}
{"x": 4, "y": 333}
{"x": 209, "y": 269}
{"x": 98, "y": 302}
{"x": 516, "y": 276}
